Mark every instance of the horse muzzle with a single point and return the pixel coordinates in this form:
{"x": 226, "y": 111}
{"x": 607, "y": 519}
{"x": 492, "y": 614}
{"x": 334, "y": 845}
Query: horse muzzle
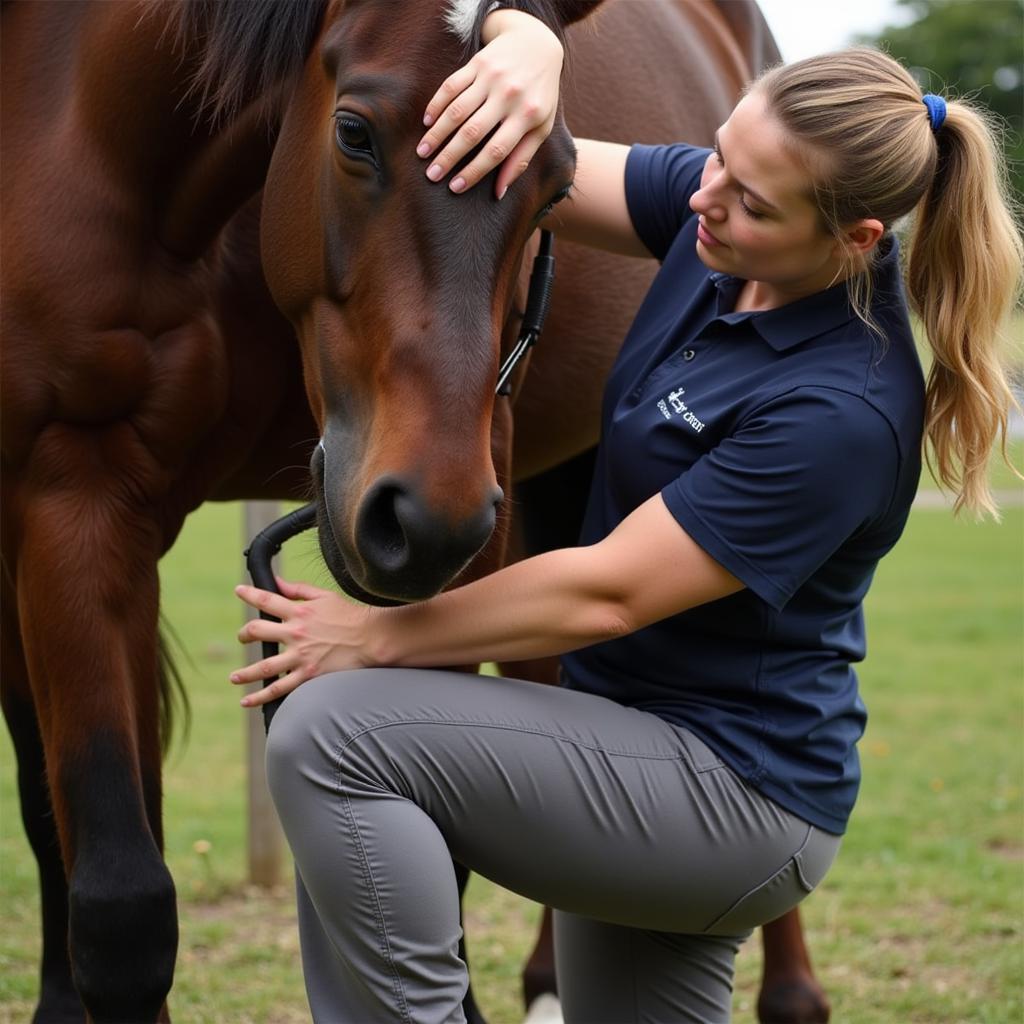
{"x": 397, "y": 548}
{"x": 410, "y": 551}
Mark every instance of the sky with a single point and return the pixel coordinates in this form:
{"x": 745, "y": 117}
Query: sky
{"x": 803, "y": 28}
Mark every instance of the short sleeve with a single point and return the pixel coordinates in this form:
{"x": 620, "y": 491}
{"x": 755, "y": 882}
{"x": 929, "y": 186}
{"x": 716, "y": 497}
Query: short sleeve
{"x": 777, "y": 498}
{"x": 659, "y": 183}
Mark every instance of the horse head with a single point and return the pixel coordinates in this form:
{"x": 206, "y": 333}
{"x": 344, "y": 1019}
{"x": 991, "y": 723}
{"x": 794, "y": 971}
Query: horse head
{"x": 399, "y": 290}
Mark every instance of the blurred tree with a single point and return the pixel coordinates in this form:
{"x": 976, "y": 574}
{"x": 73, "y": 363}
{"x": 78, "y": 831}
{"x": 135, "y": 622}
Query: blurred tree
{"x": 969, "y": 48}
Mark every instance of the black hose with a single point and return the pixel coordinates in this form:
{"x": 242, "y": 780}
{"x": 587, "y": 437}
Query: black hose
{"x": 542, "y": 280}
{"x": 258, "y": 556}
{"x": 538, "y": 299}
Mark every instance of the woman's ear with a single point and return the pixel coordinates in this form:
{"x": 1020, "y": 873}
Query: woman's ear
{"x": 862, "y": 236}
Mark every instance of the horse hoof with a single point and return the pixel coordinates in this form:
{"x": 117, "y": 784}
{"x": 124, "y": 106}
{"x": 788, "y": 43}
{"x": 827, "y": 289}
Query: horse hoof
{"x": 795, "y": 1002}
{"x": 545, "y": 1009}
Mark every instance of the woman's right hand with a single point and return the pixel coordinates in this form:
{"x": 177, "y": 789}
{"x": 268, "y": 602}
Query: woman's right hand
{"x": 321, "y": 630}
{"x": 512, "y": 82}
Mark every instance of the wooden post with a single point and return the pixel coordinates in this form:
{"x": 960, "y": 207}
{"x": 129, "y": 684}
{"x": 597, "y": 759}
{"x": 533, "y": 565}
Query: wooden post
{"x": 266, "y": 841}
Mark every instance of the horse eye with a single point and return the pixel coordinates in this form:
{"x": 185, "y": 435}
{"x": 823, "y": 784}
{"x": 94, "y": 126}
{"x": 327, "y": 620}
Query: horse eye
{"x": 353, "y": 135}
{"x": 556, "y": 199}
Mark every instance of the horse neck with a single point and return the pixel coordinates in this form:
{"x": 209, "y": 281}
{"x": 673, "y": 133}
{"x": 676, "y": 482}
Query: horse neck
{"x": 229, "y": 168}
{"x": 189, "y": 173}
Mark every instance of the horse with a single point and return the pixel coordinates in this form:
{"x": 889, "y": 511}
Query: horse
{"x": 220, "y": 248}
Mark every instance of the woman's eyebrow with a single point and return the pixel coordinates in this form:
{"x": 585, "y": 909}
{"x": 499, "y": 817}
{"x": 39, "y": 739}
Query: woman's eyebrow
{"x": 746, "y": 188}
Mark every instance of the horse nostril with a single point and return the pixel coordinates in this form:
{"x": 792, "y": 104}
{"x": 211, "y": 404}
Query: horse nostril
{"x": 380, "y": 532}
{"x": 409, "y": 549}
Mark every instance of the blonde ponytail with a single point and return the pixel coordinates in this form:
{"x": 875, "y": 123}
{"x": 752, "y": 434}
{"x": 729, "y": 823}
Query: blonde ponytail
{"x": 858, "y": 119}
{"x": 963, "y": 279}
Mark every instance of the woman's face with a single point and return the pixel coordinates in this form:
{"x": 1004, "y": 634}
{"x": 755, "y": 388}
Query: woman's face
{"x": 757, "y": 217}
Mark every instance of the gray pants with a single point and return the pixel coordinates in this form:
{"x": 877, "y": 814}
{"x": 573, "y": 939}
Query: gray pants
{"x": 656, "y": 857}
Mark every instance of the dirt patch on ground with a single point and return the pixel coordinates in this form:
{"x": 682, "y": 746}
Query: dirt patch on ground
{"x": 250, "y": 917}
{"x": 239, "y": 960}
{"x": 1006, "y": 850}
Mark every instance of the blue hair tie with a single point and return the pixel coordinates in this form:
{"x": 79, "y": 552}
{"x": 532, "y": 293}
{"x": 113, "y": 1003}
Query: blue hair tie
{"x": 936, "y": 109}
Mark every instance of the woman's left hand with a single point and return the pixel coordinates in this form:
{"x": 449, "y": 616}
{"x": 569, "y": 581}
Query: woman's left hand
{"x": 320, "y": 630}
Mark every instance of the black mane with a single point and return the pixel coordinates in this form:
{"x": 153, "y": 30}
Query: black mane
{"x": 244, "y": 48}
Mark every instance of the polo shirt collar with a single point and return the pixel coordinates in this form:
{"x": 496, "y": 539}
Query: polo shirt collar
{"x": 806, "y": 318}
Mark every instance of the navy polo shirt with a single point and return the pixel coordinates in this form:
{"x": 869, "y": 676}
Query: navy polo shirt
{"x": 787, "y": 444}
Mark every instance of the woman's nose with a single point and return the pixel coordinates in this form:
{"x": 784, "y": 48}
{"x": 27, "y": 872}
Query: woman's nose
{"x": 705, "y": 202}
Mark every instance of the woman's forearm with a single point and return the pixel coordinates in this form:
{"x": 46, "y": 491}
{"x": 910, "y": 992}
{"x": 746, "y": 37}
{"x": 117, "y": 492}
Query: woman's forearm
{"x": 545, "y": 605}
{"x": 647, "y": 568}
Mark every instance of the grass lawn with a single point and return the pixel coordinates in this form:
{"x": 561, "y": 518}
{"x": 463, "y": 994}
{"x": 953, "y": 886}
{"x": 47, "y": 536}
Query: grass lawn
{"x": 920, "y": 920}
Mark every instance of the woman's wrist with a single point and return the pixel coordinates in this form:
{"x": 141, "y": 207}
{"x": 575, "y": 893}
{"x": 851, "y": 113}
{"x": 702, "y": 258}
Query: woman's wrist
{"x": 413, "y": 635}
{"x": 374, "y": 645}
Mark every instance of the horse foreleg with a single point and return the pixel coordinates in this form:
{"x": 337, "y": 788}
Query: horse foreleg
{"x": 790, "y": 994}
{"x": 58, "y": 1000}
{"x": 540, "y": 986}
{"x": 469, "y": 1006}
{"x": 87, "y": 597}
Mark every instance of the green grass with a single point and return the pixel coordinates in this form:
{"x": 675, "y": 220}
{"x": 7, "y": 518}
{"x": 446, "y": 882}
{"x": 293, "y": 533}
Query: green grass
{"x": 919, "y": 921}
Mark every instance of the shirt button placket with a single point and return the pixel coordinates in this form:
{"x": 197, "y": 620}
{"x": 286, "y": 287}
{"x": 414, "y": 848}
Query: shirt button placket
{"x": 659, "y": 371}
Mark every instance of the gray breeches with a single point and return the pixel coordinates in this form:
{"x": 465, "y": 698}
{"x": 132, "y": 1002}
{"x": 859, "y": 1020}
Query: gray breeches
{"x": 656, "y": 857}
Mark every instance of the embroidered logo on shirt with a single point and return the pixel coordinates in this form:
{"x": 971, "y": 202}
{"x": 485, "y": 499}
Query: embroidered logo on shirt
{"x": 679, "y": 408}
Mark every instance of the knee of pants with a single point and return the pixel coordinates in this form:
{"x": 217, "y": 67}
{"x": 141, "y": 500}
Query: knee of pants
{"x": 310, "y": 724}
{"x": 293, "y": 738}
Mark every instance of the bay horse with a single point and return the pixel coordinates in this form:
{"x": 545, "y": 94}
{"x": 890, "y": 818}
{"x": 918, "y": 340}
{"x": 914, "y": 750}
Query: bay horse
{"x": 219, "y": 246}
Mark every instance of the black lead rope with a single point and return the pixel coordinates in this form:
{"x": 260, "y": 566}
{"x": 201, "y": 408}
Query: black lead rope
{"x": 258, "y": 557}
{"x": 268, "y": 543}
{"x": 538, "y": 299}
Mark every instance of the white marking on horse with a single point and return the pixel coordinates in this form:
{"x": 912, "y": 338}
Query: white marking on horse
{"x": 461, "y": 16}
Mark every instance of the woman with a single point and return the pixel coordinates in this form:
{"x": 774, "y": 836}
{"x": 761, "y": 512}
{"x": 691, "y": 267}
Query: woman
{"x": 760, "y": 450}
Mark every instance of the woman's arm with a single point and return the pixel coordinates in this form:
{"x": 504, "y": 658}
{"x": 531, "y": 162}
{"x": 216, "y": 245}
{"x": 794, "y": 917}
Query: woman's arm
{"x": 595, "y": 213}
{"x": 513, "y": 82}
{"x": 645, "y": 570}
